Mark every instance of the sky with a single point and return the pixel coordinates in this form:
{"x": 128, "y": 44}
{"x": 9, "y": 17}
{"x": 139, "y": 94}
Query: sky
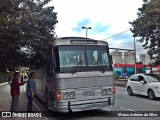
{"x": 105, "y": 17}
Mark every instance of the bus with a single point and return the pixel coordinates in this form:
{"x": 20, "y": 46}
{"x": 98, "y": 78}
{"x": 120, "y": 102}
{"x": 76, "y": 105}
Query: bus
{"x": 78, "y": 76}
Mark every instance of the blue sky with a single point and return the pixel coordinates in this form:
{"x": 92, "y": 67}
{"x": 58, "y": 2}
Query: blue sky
{"x": 106, "y": 18}
{"x": 97, "y": 28}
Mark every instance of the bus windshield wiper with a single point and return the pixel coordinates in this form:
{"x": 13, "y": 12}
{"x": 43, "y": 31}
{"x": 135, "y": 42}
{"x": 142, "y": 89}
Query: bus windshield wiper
{"x": 104, "y": 67}
{"x": 76, "y": 67}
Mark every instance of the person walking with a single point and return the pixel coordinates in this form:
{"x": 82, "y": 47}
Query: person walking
{"x": 30, "y": 91}
{"x": 15, "y": 91}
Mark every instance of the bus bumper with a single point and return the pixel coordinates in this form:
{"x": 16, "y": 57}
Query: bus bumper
{"x": 73, "y": 106}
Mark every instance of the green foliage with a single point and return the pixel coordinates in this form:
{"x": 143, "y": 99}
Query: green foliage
{"x": 147, "y": 28}
{"x": 26, "y": 31}
{"x": 3, "y": 77}
{"x": 116, "y": 76}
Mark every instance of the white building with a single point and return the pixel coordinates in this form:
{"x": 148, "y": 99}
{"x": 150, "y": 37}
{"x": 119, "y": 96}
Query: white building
{"x": 117, "y": 57}
{"x": 123, "y": 58}
{"x": 129, "y": 57}
{"x": 144, "y": 58}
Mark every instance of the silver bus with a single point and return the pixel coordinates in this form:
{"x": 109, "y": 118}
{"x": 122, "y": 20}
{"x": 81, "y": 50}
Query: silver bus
{"x": 78, "y": 76}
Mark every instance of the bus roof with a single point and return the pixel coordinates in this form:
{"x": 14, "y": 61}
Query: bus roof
{"x": 78, "y": 41}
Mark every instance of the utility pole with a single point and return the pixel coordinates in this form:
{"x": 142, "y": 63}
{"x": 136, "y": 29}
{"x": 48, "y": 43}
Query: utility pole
{"x": 135, "y": 54}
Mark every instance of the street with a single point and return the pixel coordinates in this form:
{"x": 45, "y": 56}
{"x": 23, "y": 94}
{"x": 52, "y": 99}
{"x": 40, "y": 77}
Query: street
{"x": 124, "y": 102}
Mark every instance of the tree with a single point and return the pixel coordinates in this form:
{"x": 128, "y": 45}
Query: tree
{"x": 145, "y": 1}
{"x": 147, "y": 28}
{"x": 26, "y": 32}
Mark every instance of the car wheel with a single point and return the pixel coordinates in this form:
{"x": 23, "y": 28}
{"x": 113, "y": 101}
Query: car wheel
{"x": 151, "y": 94}
{"x": 129, "y": 90}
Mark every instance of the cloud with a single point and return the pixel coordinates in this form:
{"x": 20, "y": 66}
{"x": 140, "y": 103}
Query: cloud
{"x": 106, "y": 18}
{"x": 100, "y": 28}
{"x": 116, "y": 13}
{"x": 96, "y": 28}
{"x": 81, "y": 24}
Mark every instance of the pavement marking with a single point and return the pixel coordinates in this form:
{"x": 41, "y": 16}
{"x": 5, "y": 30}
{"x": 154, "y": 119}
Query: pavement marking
{"x": 126, "y": 109}
{"x": 130, "y": 110}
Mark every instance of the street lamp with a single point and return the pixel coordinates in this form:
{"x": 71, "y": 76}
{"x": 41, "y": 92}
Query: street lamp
{"x": 86, "y": 29}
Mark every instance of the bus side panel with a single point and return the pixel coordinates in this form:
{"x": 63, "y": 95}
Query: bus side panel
{"x": 40, "y": 81}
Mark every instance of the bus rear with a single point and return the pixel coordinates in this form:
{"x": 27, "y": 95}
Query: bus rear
{"x": 82, "y": 76}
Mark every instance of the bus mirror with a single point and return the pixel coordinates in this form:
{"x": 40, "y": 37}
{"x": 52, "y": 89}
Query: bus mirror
{"x": 111, "y": 60}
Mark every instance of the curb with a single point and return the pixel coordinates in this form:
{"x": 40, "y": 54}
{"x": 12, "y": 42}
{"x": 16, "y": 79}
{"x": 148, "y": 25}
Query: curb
{"x": 5, "y": 83}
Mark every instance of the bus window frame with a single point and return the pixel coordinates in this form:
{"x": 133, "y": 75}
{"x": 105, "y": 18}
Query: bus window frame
{"x": 85, "y": 68}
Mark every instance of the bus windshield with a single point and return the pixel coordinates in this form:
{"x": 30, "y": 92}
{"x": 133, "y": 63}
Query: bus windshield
{"x": 84, "y": 57}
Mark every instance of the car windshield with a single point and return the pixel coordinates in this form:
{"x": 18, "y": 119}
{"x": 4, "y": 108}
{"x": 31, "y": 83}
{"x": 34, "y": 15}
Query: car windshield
{"x": 153, "y": 78}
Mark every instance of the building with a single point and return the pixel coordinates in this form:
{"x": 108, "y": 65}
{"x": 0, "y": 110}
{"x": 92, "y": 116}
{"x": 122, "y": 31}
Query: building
{"x": 129, "y": 57}
{"x": 140, "y": 68}
{"x": 123, "y": 58}
{"x": 144, "y": 58}
{"x": 117, "y": 57}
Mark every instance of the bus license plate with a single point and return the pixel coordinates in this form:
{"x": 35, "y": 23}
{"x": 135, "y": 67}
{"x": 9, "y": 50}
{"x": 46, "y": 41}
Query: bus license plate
{"x": 89, "y": 93}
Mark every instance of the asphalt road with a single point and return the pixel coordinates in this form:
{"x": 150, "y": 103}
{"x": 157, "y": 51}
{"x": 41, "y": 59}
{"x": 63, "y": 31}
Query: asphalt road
{"x": 124, "y": 103}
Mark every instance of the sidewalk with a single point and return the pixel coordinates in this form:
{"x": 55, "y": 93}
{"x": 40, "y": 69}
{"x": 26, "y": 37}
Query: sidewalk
{"x": 1, "y": 84}
{"x": 5, "y": 102}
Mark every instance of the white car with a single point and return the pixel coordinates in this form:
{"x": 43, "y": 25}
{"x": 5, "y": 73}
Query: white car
{"x": 144, "y": 84}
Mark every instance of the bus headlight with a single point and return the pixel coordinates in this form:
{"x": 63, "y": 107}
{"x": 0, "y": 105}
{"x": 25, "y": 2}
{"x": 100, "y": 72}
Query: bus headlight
{"x": 109, "y": 91}
{"x": 72, "y": 95}
{"x": 104, "y": 92}
{"x": 69, "y": 95}
{"x": 66, "y": 95}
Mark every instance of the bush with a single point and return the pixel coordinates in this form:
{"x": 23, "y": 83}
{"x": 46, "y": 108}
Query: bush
{"x": 3, "y": 77}
{"x": 116, "y": 76}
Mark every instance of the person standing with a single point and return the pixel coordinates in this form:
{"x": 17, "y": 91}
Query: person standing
{"x": 15, "y": 91}
{"x": 125, "y": 72}
{"x": 30, "y": 91}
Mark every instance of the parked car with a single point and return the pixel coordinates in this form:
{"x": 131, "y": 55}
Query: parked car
{"x": 144, "y": 84}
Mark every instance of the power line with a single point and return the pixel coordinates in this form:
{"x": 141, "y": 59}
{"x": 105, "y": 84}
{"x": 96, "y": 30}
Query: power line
{"x": 121, "y": 43}
{"x": 116, "y": 34}
{"x": 121, "y": 49}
